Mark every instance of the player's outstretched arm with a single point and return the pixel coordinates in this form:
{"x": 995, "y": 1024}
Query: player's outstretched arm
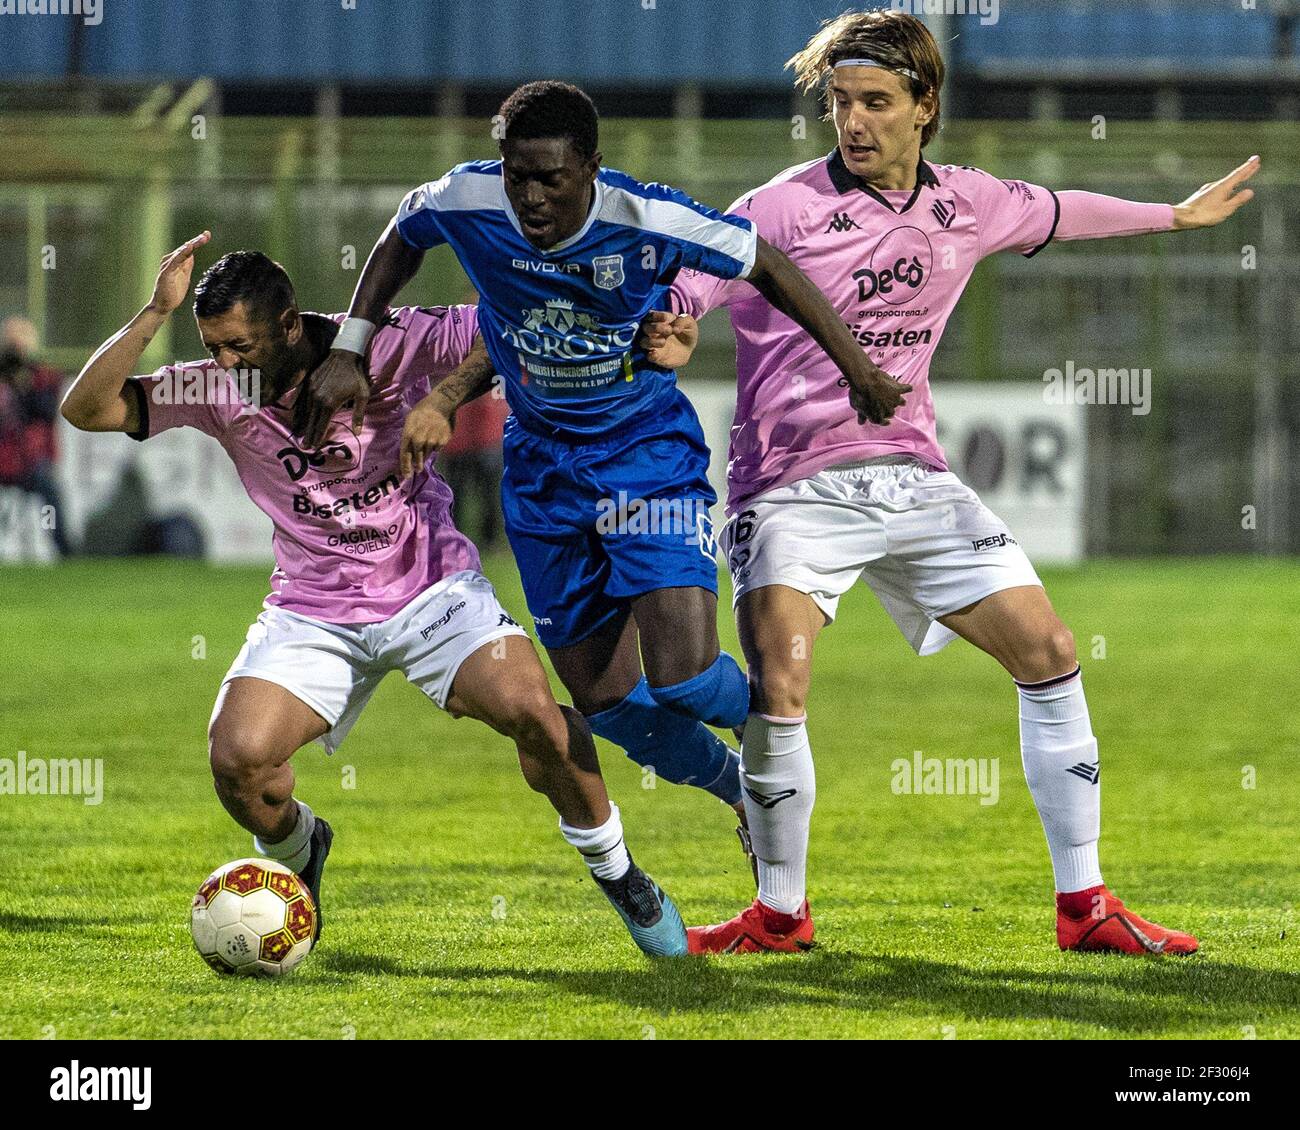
{"x": 1213, "y": 203}
{"x": 874, "y": 394}
{"x": 341, "y": 377}
{"x": 429, "y": 424}
{"x": 97, "y": 401}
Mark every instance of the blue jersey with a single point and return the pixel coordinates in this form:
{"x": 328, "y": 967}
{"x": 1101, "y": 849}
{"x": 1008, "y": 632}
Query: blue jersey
{"x": 561, "y": 325}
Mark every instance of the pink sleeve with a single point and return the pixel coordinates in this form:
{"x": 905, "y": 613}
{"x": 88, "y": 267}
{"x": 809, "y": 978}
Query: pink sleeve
{"x": 441, "y": 335}
{"x": 1089, "y": 215}
{"x": 1012, "y": 215}
{"x": 774, "y": 211}
{"x": 195, "y": 394}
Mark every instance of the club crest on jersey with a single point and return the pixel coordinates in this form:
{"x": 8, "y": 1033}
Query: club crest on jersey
{"x": 608, "y": 271}
{"x": 560, "y": 316}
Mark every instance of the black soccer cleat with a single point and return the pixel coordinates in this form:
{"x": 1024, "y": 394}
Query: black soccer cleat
{"x": 321, "y": 838}
{"x": 648, "y": 913}
{"x": 747, "y": 844}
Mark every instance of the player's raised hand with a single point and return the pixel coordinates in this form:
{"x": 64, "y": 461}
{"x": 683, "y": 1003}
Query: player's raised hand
{"x": 340, "y": 378}
{"x": 668, "y": 341}
{"x": 1213, "y": 203}
{"x": 427, "y": 428}
{"x": 174, "y": 271}
{"x": 874, "y": 394}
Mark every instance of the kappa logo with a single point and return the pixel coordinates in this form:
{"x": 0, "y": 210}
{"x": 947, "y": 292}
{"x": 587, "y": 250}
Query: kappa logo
{"x": 841, "y": 222}
{"x": 1089, "y": 771}
{"x": 945, "y": 211}
{"x": 770, "y": 800}
{"x": 506, "y": 618}
{"x": 607, "y": 271}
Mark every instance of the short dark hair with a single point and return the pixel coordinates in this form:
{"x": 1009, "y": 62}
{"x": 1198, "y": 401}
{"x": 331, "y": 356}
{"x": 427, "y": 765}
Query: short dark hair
{"x": 250, "y": 277}
{"x": 551, "y": 109}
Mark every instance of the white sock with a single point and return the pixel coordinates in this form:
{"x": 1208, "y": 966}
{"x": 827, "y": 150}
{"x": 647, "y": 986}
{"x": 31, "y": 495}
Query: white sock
{"x": 295, "y": 849}
{"x": 1061, "y": 764}
{"x": 779, "y": 787}
{"x": 601, "y": 848}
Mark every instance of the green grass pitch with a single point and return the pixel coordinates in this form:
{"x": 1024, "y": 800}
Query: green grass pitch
{"x": 455, "y": 909}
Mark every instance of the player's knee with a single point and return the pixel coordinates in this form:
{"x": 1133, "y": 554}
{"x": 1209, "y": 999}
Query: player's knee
{"x": 1061, "y": 648}
{"x": 240, "y": 759}
{"x": 1050, "y": 654}
{"x": 531, "y": 717}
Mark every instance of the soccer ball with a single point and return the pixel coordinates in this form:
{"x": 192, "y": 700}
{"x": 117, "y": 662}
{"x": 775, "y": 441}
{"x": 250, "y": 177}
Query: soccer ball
{"x": 253, "y": 917}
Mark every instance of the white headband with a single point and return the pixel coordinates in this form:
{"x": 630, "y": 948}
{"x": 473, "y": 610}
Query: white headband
{"x": 875, "y": 63}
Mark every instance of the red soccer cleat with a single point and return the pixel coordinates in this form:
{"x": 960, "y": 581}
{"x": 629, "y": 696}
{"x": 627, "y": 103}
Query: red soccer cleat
{"x": 1108, "y": 926}
{"x": 757, "y": 929}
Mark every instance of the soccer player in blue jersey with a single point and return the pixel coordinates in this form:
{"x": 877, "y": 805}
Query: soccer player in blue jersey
{"x": 605, "y": 492}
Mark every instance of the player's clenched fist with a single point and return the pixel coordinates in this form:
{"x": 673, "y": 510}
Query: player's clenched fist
{"x": 874, "y": 394}
{"x": 174, "y": 271}
{"x": 668, "y": 341}
{"x": 427, "y": 429}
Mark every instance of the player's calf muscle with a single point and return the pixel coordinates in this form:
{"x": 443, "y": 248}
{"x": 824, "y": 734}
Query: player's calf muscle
{"x": 778, "y": 627}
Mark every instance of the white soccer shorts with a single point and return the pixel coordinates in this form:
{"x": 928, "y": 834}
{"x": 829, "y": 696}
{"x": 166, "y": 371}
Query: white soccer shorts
{"x": 920, "y": 538}
{"x": 335, "y": 668}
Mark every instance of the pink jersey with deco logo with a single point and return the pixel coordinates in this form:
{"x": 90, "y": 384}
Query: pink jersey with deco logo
{"x": 353, "y": 542}
{"x": 894, "y": 265}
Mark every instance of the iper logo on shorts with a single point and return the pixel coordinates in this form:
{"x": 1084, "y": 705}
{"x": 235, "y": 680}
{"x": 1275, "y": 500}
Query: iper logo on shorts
{"x": 442, "y": 621}
{"x": 993, "y": 541}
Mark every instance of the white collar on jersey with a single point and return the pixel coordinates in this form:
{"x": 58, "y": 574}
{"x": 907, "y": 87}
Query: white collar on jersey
{"x": 597, "y": 199}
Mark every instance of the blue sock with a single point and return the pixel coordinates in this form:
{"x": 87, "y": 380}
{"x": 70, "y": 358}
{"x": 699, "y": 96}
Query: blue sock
{"x": 717, "y": 696}
{"x": 679, "y": 749}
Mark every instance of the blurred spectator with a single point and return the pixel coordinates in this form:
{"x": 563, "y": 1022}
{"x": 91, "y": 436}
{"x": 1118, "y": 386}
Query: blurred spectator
{"x": 29, "y": 406}
{"x": 471, "y": 463}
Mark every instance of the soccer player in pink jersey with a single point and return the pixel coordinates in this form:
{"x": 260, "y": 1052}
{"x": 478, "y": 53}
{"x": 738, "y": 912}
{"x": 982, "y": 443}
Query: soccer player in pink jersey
{"x": 819, "y": 496}
{"x": 371, "y": 575}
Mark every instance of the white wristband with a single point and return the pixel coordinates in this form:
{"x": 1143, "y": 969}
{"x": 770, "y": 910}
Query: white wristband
{"x": 354, "y": 335}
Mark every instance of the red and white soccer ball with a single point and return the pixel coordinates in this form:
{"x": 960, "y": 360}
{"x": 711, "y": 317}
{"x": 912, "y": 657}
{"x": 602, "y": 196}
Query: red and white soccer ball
{"x": 253, "y": 917}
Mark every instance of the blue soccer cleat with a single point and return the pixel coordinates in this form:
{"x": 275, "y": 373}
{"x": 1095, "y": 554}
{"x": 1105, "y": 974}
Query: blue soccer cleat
{"x": 648, "y": 913}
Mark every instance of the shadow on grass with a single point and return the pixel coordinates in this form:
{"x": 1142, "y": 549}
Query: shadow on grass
{"x": 1123, "y": 995}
